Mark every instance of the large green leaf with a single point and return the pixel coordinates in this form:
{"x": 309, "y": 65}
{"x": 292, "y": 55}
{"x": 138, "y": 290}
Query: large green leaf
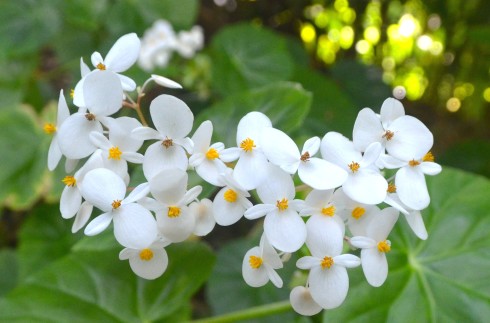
{"x": 443, "y": 279}
{"x": 88, "y": 286}
{"x": 286, "y": 104}
{"x": 8, "y": 270}
{"x": 245, "y": 56}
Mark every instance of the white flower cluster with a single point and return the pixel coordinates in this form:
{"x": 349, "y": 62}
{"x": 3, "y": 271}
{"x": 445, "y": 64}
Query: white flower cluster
{"x": 346, "y": 182}
{"x": 160, "y": 41}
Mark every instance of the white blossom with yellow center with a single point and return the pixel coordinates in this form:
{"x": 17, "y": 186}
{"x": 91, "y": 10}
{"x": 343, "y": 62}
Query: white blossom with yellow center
{"x": 149, "y": 262}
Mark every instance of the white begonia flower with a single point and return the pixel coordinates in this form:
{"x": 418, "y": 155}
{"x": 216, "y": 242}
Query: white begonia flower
{"x": 410, "y": 179}
{"x": 251, "y": 167}
{"x": 149, "y": 262}
{"x": 173, "y": 121}
{"x": 318, "y": 173}
{"x": 171, "y": 197}
{"x": 122, "y": 55}
{"x": 205, "y": 157}
{"x": 321, "y": 203}
{"x": 375, "y": 246}
{"x": 188, "y": 42}
{"x": 356, "y": 215}
{"x": 403, "y": 136}
{"x": 259, "y": 264}
{"x": 283, "y": 226}
{"x": 364, "y": 182}
{"x": 157, "y": 45}
{"x": 120, "y": 147}
{"x": 413, "y": 217}
{"x": 134, "y": 226}
{"x": 302, "y": 301}
{"x": 204, "y": 217}
{"x": 103, "y": 97}
{"x": 231, "y": 202}
{"x": 71, "y": 197}
{"x": 328, "y": 280}
{"x": 54, "y": 152}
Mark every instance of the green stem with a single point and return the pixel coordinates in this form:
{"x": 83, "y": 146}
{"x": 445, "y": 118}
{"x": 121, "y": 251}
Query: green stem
{"x": 249, "y": 313}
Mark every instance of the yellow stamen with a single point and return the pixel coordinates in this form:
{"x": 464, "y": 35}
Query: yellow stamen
{"x": 49, "y": 128}
{"x": 247, "y": 145}
{"x": 282, "y": 204}
{"x": 173, "y": 211}
{"x": 116, "y": 204}
{"x": 230, "y": 196}
{"x": 354, "y": 167}
{"x": 146, "y": 254}
{"x": 212, "y": 154}
{"x": 167, "y": 143}
{"x": 305, "y": 157}
{"x": 358, "y": 212}
{"x": 388, "y": 135}
{"x": 101, "y": 67}
{"x": 69, "y": 180}
{"x": 391, "y": 188}
{"x": 413, "y": 163}
{"x": 255, "y": 262}
{"x": 384, "y": 246}
{"x": 428, "y": 157}
{"x": 327, "y": 262}
{"x": 90, "y": 116}
{"x": 115, "y": 153}
{"x": 72, "y": 93}
{"x": 328, "y": 211}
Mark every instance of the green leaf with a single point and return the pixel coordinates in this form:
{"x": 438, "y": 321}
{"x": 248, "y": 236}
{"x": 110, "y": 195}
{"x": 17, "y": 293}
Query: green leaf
{"x": 23, "y": 162}
{"x": 228, "y": 292}
{"x": 96, "y": 286}
{"x": 181, "y": 14}
{"x": 286, "y": 104}
{"x": 443, "y": 279}
{"x": 246, "y": 56}
{"x": 8, "y": 270}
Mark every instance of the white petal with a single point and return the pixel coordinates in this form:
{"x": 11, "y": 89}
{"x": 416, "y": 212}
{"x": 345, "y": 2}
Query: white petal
{"x": 101, "y": 187}
{"x": 380, "y": 226}
{"x": 102, "y": 93}
{"x": 321, "y": 174}
{"x": 82, "y": 217}
{"x": 191, "y": 195}
{"x": 63, "y": 111}
{"x": 269, "y": 254}
{"x": 210, "y": 170}
{"x": 367, "y": 129}
{"x": 176, "y": 229}
{"x": 391, "y": 110}
{"x": 277, "y": 186}
{"x": 145, "y": 133}
{"x": 84, "y": 69}
{"x": 325, "y": 236}
{"x": 254, "y": 277}
{"x": 374, "y": 266}
{"x": 202, "y": 137}
{"x": 279, "y": 148}
{"x": 169, "y": 186}
{"x": 54, "y": 153}
{"x": 251, "y": 169}
{"x": 203, "y": 213}
{"x": 171, "y": 116}
{"x": 311, "y": 146}
{"x": 412, "y": 139}
{"x": 411, "y": 188}
{"x": 339, "y": 150}
{"x": 230, "y": 154}
{"x": 73, "y": 136}
{"x": 138, "y": 193}
{"x": 158, "y": 158}
{"x": 257, "y": 211}
{"x": 319, "y": 198}
{"x": 126, "y": 253}
{"x": 391, "y": 162}
{"x": 273, "y": 276}
{"x": 96, "y": 59}
{"x": 430, "y": 168}
{"x": 123, "y": 53}
{"x": 127, "y": 83}
{"x": 99, "y": 140}
{"x": 285, "y": 230}
{"x": 120, "y": 133}
{"x": 165, "y": 82}
{"x": 329, "y": 286}
{"x": 150, "y": 269}
{"x": 366, "y": 186}
{"x": 416, "y": 222}
{"x": 135, "y": 158}
{"x": 70, "y": 201}
{"x": 134, "y": 226}
{"x": 251, "y": 125}
{"x": 371, "y": 154}
{"x": 98, "y": 224}
{"x": 347, "y": 260}
{"x": 308, "y": 262}
{"x": 302, "y": 302}
{"x": 362, "y": 242}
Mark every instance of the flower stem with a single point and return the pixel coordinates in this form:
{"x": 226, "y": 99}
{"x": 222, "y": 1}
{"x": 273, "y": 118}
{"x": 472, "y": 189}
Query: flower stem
{"x": 249, "y": 313}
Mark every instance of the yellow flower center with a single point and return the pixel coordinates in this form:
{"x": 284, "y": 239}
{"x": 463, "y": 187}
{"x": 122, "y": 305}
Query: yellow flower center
{"x": 90, "y": 116}
{"x": 69, "y": 181}
{"x": 354, "y": 167}
{"x": 282, "y": 204}
{"x": 255, "y": 262}
{"x": 358, "y": 212}
{"x": 72, "y": 93}
{"x": 115, "y": 153}
{"x": 428, "y": 157}
{"x": 247, "y": 145}
{"x": 173, "y": 211}
{"x": 230, "y": 195}
{"x": 391, "y": 188}
{"x": 327, "y": 262}
{"x": 116, "y": 204}
{"x": 167, "y": 143}
{"x": 384, "y": 246}
{"x": 388, "y": 135}
{"x": 305, "y": 157}
{"x": 413, "y": 163}
{"x": 328, "y": 211}
{"x": 212, "y": 154}
{"x": 146, "y": 254}
{"x": 49, "y": 128}
{"x": 101, "y": 67}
